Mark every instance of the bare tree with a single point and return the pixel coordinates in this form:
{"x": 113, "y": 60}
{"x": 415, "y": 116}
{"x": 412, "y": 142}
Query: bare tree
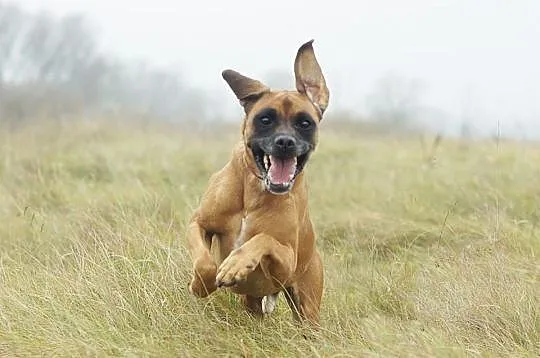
{"x": 11, "y": 22}
{"x": 53, "y": 63}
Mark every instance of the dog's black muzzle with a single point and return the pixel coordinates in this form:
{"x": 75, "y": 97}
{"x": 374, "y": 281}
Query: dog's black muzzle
{"x": 280, "y": 158}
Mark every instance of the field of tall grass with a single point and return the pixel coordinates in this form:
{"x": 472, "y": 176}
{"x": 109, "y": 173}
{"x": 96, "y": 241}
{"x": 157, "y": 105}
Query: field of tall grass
{"x": 428, "y": 252}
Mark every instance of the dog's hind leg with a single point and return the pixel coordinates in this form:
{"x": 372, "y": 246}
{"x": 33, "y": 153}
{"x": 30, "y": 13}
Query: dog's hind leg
{"x": 253, "y": 304}
{"x": 269, "y": 303}
{"x": 304, "y": 297}
{"x": 260, "y": 306}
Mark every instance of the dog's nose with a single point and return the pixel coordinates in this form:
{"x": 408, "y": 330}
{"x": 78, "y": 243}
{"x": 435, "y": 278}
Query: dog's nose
{"x": 285, "y": 143}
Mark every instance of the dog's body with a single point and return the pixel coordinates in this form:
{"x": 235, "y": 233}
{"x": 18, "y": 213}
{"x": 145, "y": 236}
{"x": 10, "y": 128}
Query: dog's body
{"x": 254, "y": 215}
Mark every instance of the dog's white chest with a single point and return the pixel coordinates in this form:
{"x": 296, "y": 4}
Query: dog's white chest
{"x": 241, "y": 235}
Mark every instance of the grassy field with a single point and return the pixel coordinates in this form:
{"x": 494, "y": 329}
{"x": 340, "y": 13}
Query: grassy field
{"x": 423, "y": 256}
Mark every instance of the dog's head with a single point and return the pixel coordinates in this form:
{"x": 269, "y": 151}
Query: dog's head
{"x": 280, "y": 127}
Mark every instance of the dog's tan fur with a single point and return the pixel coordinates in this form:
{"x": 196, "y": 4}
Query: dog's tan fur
{"x": 265, "y": 243}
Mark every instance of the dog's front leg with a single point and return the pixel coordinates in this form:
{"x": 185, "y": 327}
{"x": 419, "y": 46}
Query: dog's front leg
{"x": 204, "y": 267}
{"x": 277, "y": 261}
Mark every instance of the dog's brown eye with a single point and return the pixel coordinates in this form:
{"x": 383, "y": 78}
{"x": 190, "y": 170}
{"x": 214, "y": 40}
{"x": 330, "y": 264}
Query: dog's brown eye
{"x": 304, "y": 124}
{"x": 265, "y": 120}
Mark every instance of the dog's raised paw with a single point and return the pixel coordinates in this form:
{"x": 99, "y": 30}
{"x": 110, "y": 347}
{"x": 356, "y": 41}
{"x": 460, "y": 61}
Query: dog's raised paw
{"x": 234, "y": 269}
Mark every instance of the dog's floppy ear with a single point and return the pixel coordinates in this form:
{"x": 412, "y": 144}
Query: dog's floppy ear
{"x": 309, "y": 77}
{"x": 247, "y": 90}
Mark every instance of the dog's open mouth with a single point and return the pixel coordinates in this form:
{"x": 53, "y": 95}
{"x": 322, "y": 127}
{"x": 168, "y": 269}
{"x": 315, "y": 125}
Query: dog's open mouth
{"x": 278, "y": 173}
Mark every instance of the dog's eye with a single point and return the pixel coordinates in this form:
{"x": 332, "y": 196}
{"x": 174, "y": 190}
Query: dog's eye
{"x": 304, "y": 123}
{"x": 265, "y": 121}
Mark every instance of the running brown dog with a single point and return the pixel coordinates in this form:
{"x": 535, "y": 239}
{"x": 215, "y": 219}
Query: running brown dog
{"x": 252, "y": 230}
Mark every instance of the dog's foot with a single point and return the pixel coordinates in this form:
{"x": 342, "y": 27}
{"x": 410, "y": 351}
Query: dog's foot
{"x": 234, "y": 269}
{"x": 269, "y": 303}
{"x": 204, "y": 278}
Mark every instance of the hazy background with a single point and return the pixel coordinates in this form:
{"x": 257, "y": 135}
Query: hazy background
{"x": 461, "y": 67}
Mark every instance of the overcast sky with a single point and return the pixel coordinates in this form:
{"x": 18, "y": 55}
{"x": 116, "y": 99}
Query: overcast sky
{"x": 477, "y": 59}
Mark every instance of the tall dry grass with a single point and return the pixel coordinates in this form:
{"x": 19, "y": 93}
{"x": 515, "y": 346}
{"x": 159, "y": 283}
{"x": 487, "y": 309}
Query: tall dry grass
{"x": 424, "y": 255}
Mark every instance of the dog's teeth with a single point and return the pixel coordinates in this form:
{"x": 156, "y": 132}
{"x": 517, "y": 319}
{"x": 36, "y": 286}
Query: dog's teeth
{"x": 266, "y": 162}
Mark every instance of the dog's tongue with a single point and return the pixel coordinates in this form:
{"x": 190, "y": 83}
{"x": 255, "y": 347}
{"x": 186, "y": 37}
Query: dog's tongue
{"x": 281, "y": 170}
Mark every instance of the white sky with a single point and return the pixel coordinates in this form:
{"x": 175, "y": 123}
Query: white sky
{"x": 479, "y": 59}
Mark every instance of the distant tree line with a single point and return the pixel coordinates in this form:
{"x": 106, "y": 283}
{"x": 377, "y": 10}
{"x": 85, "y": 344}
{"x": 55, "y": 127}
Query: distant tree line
{"x": 51, "y": 66}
